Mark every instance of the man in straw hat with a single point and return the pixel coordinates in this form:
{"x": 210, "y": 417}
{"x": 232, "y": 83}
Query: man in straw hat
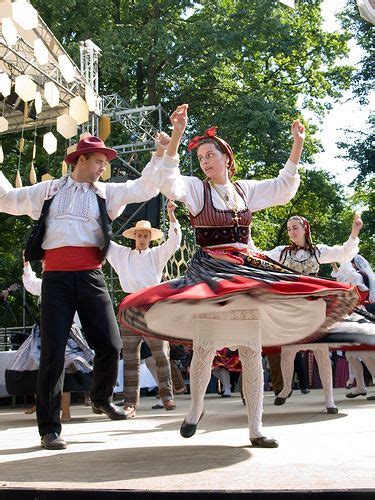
{"x": 72, "y": 236}
{"x": 140, "y": 268}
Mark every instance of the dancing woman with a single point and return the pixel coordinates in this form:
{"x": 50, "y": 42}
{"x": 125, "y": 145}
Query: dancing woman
{"x": 230, "y": 297}
{"x": 304, "y": 257}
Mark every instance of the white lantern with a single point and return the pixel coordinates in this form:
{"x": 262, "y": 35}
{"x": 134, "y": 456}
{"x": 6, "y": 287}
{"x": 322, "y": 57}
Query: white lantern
{"x": 5, "y": 84}
{"x": 40, "y": 51}
{"x": 1, "y": 154}
{"x": 9, "y": 31}
{"x": 25, "y": 88}
{"x": 38, "y": 103}
{"x": 24, "y": 14}
{"x": 18, "y": 180}
{"x": 64, "y": 168}
{"x": 51, "y": 94}
{"x": 66, "y": 126}
{"x": 78, "y": 110}
{"x": 4, "y": 125}
{"x": 50, "y": 143}
{"x": 32, "y": 175}
{"x": 289, "y": 3}
{"x": 90, "y": 98}
{"x": 66, "y": 68}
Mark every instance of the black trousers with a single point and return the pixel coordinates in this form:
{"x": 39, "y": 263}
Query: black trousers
{"x": 64, "y": 293}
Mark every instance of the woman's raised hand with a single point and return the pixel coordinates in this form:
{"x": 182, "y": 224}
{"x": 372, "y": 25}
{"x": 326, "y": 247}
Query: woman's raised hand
{"x": 298, "y": 130}
{"x": 357, "y": 225}
{"x": 179, "y": 119}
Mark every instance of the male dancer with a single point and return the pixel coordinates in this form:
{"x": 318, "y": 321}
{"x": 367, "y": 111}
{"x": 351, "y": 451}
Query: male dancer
{"x": 72, "y": 236}
{"x": 140, "y": 268}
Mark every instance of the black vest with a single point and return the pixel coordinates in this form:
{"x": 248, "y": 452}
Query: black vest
{"x": 34, "y": 250}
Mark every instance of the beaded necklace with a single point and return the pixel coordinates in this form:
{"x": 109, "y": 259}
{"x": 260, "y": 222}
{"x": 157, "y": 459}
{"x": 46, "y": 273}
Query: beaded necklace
{"x": 225, "y": 198}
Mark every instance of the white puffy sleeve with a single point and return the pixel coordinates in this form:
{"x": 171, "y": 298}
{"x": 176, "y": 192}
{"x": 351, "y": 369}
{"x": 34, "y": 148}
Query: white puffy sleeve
{"x": 165, "y": 251}
{"x": 26, "y": 200}
{"x": 338, "y": 253}
{"x": 271, "y": 192}
{"x": 175, "y": 186}
{"x": 30, "y": 281}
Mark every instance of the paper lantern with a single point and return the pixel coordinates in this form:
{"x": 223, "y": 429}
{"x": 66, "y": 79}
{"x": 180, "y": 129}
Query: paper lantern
{"x": 107, "y": 172}
{"x": 66, "y": 67}
{"x": 38, "y": 103}
{"x": 25, "y": 88}
{"x": 34, "y": 151}
{"x": 18, "y": 182}
{"x": 40, "y": 51}
{"x": 24, "y": 14}
{"x": 51, "y": 94}
{"x": 5, "y": 84}
{"x": 4, "y": 125}
{"x": 9, "y": 31}
{"x": 90, "y": 98}
{"x": 50, "y": 143}
{"x": 21, "y": 145}
{"x": 64, "y": 168}
{"x": 78, "y": 110}
{"x": 1, "y": 154}
{"x": 66, "y": 126}
{"x": 104, "y": 127}
{"x": 47, "y": 177}
{"x": 32, "y": 175}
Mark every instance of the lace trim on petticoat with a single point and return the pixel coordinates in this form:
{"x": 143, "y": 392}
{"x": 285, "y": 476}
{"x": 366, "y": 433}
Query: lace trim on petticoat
{"x": 234, "y": 315}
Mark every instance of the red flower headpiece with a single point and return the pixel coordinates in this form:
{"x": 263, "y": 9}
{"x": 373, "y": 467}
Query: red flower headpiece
{"x": 224, "y": 146}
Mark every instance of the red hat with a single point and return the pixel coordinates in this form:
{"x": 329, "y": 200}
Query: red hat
{"x": 90, "y": 144}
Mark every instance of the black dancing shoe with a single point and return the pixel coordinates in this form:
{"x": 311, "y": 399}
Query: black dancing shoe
{"x": 332, "y": 410}
{"x": 188, "y": 430}
{"x": 305, "y": 391}
{"x": 264, "y": 442}
{"x": 352, "y": 395}
{"x": 53, "y": 441}
{"x": 111, "y": 410}
{"x": 278, "y": 401}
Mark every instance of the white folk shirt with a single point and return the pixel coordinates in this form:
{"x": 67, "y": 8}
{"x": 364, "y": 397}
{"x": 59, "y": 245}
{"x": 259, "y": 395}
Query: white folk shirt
{"x": 33, "y": 285}
{"x": 303, "y": 262}
{"x": 73, "y": 218}
{"x": 140, "y": 269}
{"x": 258, "y": 194}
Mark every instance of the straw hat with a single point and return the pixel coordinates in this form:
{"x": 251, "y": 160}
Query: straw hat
{"x": 156, "y": 234}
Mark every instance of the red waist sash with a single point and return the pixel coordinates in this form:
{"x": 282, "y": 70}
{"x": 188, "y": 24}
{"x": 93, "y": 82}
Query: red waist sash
{"x": 72, "y": 259}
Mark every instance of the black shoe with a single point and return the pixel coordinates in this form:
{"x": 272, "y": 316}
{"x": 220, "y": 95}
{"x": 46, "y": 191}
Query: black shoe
{"x": 225, "y": 395}
{"x": 188, "y": 430}
{"x": 278, "y": 401}
{"x": 370, "y": 398}
{"x": 305, "y": 391}
{"x": 352, "y": 395}
{"x": 333, "y": 410}
{"x": 264, "y": 442}
{"x": 53, "y": 441}
{"x": 111, "y": 410}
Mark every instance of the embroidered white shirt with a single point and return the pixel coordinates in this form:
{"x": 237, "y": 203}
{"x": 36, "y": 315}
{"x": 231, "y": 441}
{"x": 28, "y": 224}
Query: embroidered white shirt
{"x": 73, "y": 218}
{"x": 139, "y": 269}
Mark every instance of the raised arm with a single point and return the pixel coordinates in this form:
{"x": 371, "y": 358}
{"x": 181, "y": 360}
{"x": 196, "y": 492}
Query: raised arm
{"x": 280, "y": 190}
{"x": 30, "y": 281}
{"x": 345, "y": 252}
{"x": 167, "y": 249}
{"x": 27, "y": 200}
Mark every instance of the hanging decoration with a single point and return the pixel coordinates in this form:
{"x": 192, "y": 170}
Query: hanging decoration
{"x": 9, "y": 31}
{"x": 4, "y": 125}
{"x": 40, "y": 52}
{"x": 1, "y": 154}
{"x": 90, "y": 98}
{"x": 18, "y": 182}
{"x": 50, "y": 143}
{"x": 66, "y": 67}
{"x": 107, "y": 172}
{"x": 38, "y": 103}
{"x": 24, "y": 14}
{"x": 32, "y": 175}
{"x": 64, "y": 168}
{"x": 104, "y": 127}
{"x": 66, "y": 126}
{"x": 5, "y": 84}
{"x": 78, "y": 110}
{"x": 25, "y": 88}
{"x": 51, "y": 94}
